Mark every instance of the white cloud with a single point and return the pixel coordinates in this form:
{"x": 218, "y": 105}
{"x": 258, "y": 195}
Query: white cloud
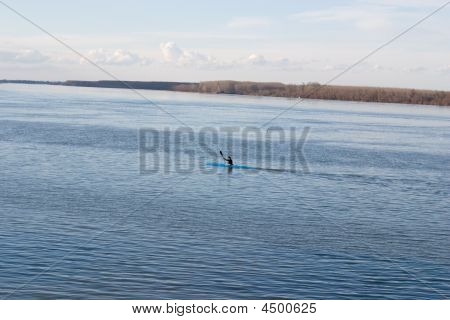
{"x": 259, "y": 61}
{"x": 183, "y": 57}
{"x": 170, "y": 51}
{"x": 406, "y": 3}
{"x": 173, "y": 54}
{"x": 248, "y": 22}
{"x": 196, "y": 58}
{"x": 445, "y": 69}
{"x": 377, "y": 67}
{"x": 331, "y": 67}
{"x": 368, "y": 67}
{"x": 414, "y": 69}
{"x": 23, "y": 56}
{"x": 116, "y": 57}
{"x": 363, "y": 17}
{"x": 256, "y": 59}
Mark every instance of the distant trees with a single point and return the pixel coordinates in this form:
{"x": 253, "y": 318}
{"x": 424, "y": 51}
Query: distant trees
{"x": 314, "y": 90}
{"x": 311, "y": 90}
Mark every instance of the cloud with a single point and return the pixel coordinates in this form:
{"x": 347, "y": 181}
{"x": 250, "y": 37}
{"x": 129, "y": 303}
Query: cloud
{"x": 23, "y": 56}
{"x": 445, "y": 69}
{"x": 256, "y": 59}
{"x": 183, "y": 57}
{"x": 196, "y": 58}
{"x": 331, "y": 67}
{"x": 362, "y": 67}
{"x": 414, "y": 69}
{"x": 173, "y": 54}
{"x": 406, "y": 3}
{"x": 116, "y": 57}
{"x": 367, "y": 66}
{"x": 363, "y": 17}
{"x": 170, "y": 51}
{"x": 248, "y": 22}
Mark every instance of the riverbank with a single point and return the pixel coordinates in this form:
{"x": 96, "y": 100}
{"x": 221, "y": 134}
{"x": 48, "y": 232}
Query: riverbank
{"x": 273, "y": 89}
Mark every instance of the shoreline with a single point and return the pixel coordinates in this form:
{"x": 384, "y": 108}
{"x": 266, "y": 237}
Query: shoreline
{"x": 271, "y": 89}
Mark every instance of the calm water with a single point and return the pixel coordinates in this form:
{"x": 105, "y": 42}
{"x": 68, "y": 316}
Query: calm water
{"x": 371, "y": 220}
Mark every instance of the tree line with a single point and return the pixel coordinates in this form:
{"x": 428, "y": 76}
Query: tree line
{"x": 312, "y": 90}
{"x": 327, "y": 92}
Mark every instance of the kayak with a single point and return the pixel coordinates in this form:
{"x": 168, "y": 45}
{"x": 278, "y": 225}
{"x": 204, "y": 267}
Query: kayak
{"x": 233, "y": 166}
{"x": 236, "y": 166}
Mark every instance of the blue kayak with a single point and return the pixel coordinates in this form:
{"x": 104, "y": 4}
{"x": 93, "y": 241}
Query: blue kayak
{"x": 234, "y": 166}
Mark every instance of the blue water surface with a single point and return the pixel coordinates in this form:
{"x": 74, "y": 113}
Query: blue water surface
{"x": 369, "y": 219}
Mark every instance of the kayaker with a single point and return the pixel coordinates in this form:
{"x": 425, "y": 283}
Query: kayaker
{"x": 228, "y": 160}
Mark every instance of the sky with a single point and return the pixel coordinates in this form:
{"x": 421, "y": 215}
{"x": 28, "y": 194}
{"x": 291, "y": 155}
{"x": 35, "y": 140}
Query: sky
{"x": 279, "y": 41}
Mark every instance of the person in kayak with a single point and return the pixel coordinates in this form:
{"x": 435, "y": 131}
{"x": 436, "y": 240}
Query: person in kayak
{"x": 228, "y": 160}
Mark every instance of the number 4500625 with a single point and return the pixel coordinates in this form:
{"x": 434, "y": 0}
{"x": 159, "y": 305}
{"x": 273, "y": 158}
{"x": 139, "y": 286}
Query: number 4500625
{"x": 281, "y": 307}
